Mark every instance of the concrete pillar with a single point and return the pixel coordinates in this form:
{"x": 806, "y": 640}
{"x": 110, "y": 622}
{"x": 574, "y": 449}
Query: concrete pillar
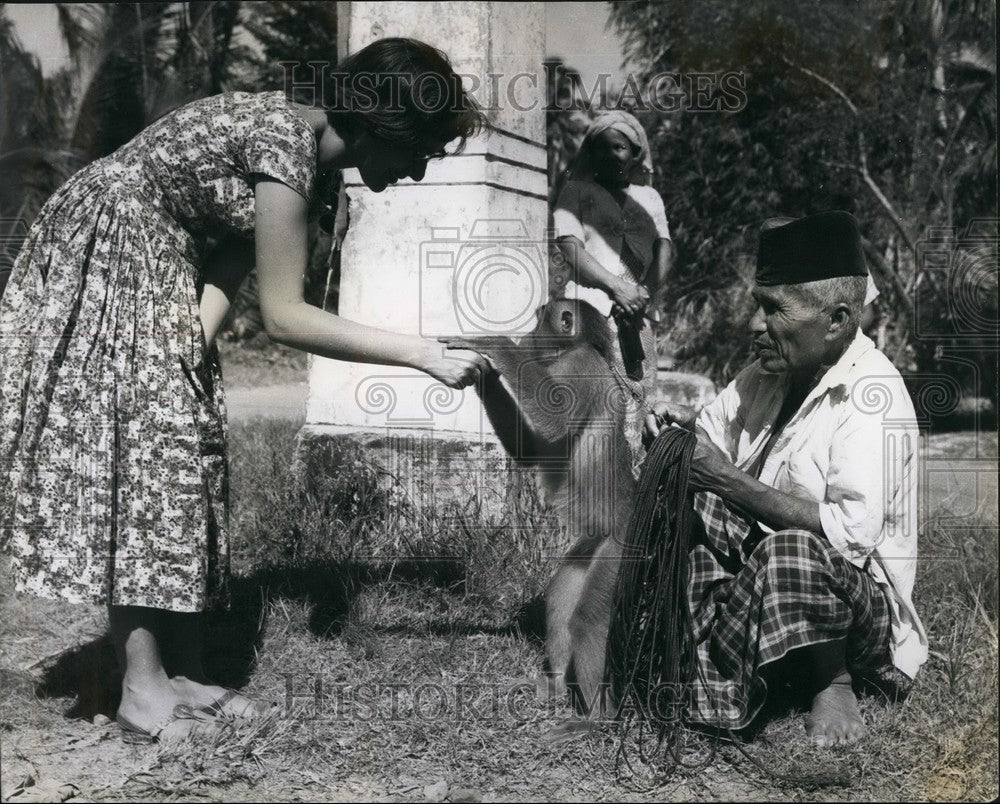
{"x": 463, "y": 251}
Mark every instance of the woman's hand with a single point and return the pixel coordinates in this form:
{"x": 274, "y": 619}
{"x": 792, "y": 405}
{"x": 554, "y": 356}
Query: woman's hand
{"x": 282, "y": 253}
{"x": 456, "y": 368}
{"x": 630, "y": 297}
{"x": 484, "y": 346}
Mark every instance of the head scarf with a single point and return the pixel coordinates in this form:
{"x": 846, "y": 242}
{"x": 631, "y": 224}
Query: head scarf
{"x": 626, "y": 124}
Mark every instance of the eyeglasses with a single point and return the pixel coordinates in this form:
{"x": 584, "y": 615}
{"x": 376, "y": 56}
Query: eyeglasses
{"x": 440, "y": 153}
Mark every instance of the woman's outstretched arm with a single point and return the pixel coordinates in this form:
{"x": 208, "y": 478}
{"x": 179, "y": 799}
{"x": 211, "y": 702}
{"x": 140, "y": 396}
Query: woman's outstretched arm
{"x": 280, "y": 230}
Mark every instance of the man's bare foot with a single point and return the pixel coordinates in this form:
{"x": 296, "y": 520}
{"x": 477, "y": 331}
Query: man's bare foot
{"x": 835, "y": 718}
{"x": 218, "y": 699}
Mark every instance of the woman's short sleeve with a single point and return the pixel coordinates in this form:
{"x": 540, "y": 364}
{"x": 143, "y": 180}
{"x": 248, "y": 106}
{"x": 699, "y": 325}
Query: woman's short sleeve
{"x": 567, "y": 217}
{"x": 658, "y": 213}
{"x": 284, "y": 148}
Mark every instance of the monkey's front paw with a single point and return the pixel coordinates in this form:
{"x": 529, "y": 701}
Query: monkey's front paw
{"x": 478, "y": 345}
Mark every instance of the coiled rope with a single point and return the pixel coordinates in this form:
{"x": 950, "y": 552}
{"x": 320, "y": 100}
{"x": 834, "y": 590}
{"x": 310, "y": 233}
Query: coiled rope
{"x": 651, "y": 656}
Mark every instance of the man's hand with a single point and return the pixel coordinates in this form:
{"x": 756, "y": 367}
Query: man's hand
{"x": 709, "y": 465}
{"x": 711, "y": 470}
{"x": 661, "y": 416}
{"x": 658, "y": 418}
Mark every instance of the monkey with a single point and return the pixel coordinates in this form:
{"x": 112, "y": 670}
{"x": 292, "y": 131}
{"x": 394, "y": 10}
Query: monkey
{"x": 564, "y": 414}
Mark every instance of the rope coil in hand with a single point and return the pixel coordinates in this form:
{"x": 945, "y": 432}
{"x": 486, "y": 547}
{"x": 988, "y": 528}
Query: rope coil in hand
{"x": 651, "y": 656}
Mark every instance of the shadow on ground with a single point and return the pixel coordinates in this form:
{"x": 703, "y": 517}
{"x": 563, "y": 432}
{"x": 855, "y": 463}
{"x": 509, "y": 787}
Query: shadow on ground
{"x": 89, "y": 674}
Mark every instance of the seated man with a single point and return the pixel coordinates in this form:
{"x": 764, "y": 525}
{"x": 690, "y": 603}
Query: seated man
{"x": 807, "y": 467}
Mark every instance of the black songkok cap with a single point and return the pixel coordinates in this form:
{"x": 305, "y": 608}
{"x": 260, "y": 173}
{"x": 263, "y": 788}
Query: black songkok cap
{"x": 808, "y": 249}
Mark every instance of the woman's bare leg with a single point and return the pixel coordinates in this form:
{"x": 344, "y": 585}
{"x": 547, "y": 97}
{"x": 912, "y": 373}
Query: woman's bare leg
{"x": 148, "y": 697}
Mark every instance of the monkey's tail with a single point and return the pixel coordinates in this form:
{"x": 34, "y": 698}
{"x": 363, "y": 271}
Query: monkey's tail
{"x": 651, "y": 656}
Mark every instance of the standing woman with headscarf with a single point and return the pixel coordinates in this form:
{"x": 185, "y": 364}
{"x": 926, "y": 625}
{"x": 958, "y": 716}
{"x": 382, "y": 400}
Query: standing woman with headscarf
{"x": 612, "y": 229}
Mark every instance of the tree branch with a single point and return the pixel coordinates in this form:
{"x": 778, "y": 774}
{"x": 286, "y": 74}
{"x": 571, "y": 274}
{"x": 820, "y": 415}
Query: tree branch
{"x": 827, "y": 83}
{"x": 880, "y": 196}
{"x": 866, "y": 175}
{"x": 980, "y": 93}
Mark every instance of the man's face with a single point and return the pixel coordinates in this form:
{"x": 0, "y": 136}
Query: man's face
{"x": 789, "y": 335}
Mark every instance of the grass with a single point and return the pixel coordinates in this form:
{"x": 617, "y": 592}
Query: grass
{"x": 260, "y": 361}
{"x": 402, "y": 677}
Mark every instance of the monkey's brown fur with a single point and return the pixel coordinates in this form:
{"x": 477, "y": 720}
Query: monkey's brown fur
{"x": 564, "y": 413}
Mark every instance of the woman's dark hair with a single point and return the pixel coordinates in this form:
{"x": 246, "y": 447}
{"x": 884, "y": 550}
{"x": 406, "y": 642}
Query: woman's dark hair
{"x": 401, "y": 91}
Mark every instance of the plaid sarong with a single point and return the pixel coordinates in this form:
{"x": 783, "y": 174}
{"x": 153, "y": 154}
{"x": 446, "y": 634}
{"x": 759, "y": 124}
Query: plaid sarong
{"x": 755, "y": 597}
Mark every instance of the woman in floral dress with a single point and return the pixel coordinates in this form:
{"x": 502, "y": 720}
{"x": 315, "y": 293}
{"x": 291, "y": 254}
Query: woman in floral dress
{"x": 113, "y": 457}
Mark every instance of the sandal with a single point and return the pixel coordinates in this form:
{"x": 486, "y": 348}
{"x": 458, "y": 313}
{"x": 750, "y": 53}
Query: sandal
{"x": 217, "y": 707}
{"x": 135, "y": 735}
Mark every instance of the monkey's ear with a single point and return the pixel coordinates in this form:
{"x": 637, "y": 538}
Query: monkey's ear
{"x": 566, "y": 322}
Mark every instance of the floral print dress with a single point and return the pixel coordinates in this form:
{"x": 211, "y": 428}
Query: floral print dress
{"x": 113, "y": 460}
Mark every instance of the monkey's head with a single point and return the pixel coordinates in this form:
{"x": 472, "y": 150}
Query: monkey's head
{"x": 575, "y": 322}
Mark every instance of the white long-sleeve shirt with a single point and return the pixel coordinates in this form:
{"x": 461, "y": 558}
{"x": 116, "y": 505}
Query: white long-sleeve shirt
{"x": 853, "y": 448}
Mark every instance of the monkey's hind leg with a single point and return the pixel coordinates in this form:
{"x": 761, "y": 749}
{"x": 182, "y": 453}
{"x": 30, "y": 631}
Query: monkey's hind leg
{"x": 589, "y": 632}
{"x": 561, "y": 599}
{"x": 588, "y": 629}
